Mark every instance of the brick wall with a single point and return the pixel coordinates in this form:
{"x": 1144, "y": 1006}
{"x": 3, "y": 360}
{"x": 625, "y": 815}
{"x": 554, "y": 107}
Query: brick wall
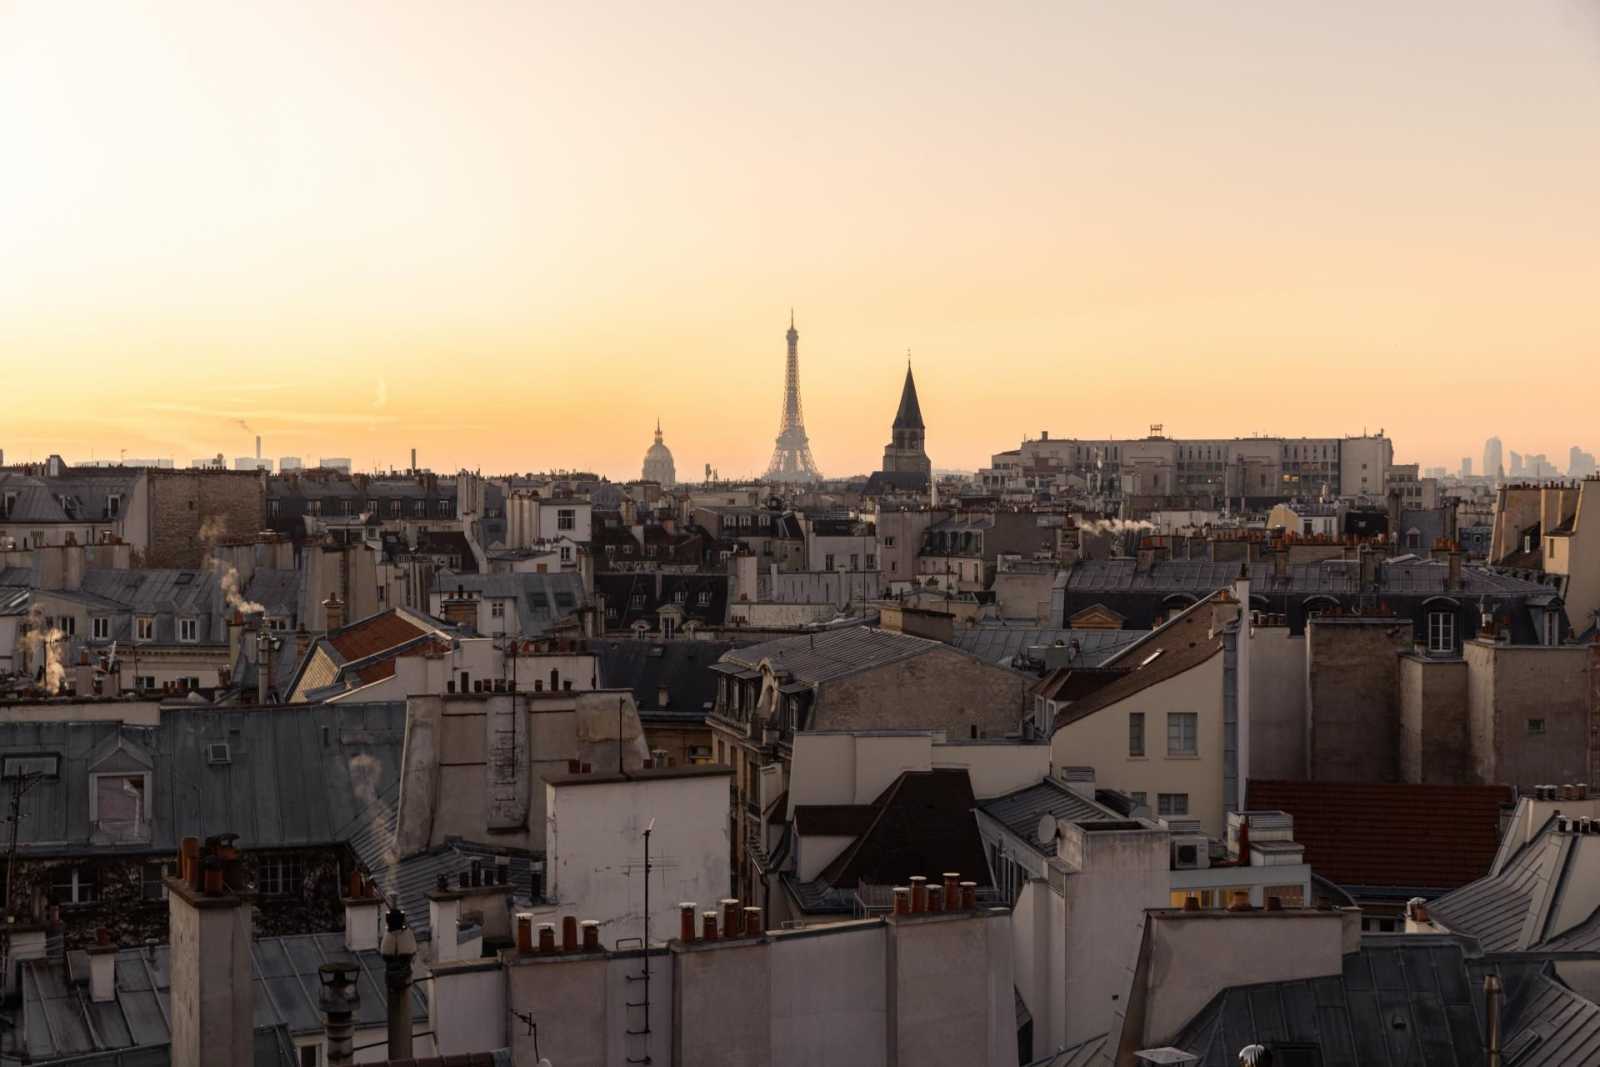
{"x": 1353, "y": 698}
{"x": 189, "y": 509}
{"x": 941, "y": 689}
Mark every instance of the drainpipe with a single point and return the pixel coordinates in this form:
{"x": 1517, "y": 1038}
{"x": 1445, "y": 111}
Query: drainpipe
{"x": 1491, "y": 1016}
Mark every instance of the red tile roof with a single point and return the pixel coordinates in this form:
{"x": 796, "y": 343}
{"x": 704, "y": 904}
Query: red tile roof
{"x": 1395, "y": 835}
{"x": 375, "y": 634}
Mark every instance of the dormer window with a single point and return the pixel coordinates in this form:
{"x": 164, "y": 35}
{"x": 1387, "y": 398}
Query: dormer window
{"x": 120, "y": 774}
{"x": 189, "y": 630}
{"x": 144, "y": 628}
{"x": 100, "y": 627}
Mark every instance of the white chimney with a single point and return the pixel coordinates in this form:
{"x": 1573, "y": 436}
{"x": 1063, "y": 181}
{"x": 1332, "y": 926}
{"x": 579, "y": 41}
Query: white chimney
{"x": 444, "y": 915}
{"x": 212, "y": 997}
{"x": 103, "y": 973}
{"x": 363, "y": 918}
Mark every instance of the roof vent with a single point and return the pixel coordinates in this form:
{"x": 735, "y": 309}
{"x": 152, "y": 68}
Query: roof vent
{"x": 217, "y": 753}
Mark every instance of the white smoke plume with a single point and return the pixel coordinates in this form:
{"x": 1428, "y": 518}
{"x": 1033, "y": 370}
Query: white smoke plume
{"x": 365, "y": 774}
{"x": 1117, "y": 525}
{"x": 44, "y": 643}
{"x": 230, "y": 590}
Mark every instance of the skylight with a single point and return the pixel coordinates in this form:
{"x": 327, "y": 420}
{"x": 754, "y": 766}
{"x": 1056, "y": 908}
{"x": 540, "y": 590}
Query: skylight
{"x": 1151, "y": 658}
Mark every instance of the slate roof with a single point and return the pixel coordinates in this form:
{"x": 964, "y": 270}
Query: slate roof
{"x": 1401, "y": 1001}
{"x": 296, "y": 776}
{"x": 1019, "y": 811}
{"x": 1323, "y": 576}
{"x": 1396, "y": 836}
{"x": 86, "y": 494}
{"x": 371, "y": 836}
{"x": 542, "y": 600}
{"x": 909, "y": 415}
{"x": 924, "y": 825}
{"x": 831, "y": 654}
{"x": 995, "y": 644}
{"x": 834, "y": 820}
{"x": 59, "y": 1019}
{"x": 647, "y": 667}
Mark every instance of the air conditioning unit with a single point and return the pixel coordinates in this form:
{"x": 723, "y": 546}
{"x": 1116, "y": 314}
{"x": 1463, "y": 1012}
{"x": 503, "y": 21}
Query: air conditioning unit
{"x": 217, "y": 753}
{"x": 1191, "y": 853}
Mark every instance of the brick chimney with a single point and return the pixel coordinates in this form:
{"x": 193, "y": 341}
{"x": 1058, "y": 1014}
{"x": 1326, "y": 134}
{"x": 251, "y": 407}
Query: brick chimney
{"x": 212, "y": 998}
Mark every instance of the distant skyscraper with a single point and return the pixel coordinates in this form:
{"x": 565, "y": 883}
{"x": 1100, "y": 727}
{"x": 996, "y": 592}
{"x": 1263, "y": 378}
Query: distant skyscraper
{"x": 1580, "y": 464}
{"x": 1516, "y": 464}
{"x": 791, "y": 458}
{"x": 1493, "y": 458}
{"x": 1466, "y": 467}
{"x": 658, "y": 465}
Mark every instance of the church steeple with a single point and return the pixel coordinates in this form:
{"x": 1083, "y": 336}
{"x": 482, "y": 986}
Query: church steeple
{"x": 909, "y": 417}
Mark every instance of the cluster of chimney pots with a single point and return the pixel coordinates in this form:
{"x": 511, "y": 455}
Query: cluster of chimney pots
{"x": 919, "y": 897}
{"x": 212, "y": 869}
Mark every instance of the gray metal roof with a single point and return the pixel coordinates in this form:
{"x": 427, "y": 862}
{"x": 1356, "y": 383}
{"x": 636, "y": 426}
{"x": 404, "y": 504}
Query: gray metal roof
{"x": 542, "y": 599}
{"x": 995, "y": 644}
{"x": 1495, "y": 909}
{"x": 295, "y": 775}
{"x": 59, "y": 1019}
{"x": 1019, "y": 812}
{"x": 831, "y": 654}
{"x": 412, "y": 878}
{"x": 1400, "y": 1001}
{"x": 68, "y": 498}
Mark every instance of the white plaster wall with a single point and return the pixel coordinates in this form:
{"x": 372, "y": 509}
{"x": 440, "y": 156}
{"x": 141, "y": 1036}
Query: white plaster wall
{"x": 595, "y": 850}
{"x": 467, "y": 1008}
{"x": 881, "y": 758}
{"x": 816, "y": 851}
{"x": 1100, "y": 740}
{"x": 828, "y": 1001}
{"x": 995, "y": 768}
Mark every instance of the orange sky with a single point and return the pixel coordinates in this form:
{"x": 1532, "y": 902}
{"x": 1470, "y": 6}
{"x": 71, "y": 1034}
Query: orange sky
{"x": 511, "y": 235}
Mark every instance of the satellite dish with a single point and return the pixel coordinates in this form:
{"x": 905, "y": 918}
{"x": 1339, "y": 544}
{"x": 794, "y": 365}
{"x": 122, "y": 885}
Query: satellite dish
{"x": 1047, "y": 828}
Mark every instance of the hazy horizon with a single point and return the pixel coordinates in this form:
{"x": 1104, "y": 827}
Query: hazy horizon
{"x": 512, "y": 237}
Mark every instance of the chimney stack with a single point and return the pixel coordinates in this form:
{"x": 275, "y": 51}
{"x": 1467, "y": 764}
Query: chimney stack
{"x": 211, "y": 925}
{"x": 397, "y": 949}
{"x": 333, "y": 611}
{"x": 952, "y": 891}
{"x": 732, "y": 920}
{"x": 686, "y": 921}
{"x": 338, "y": 1000}
{"x": 591, "y": 935}
{"x": 569, "y": 933}
{"x": 919, "y": 894}
{"x": 708, "y": 926}
{"x": 103, "y": 968}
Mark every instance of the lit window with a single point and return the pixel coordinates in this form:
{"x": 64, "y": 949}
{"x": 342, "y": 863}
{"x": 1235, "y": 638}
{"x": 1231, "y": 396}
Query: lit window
{"x": 1182, "y": 727}
{"x": 1172, "y": 803}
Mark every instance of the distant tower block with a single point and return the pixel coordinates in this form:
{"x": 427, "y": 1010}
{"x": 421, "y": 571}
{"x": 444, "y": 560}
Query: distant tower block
{"x": 791, "y": 458}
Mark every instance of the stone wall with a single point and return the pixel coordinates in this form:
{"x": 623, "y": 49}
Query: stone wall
{"x": 190, "y": 509}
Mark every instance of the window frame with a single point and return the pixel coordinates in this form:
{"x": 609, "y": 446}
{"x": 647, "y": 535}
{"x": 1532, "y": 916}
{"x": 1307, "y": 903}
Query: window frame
{"x": 1167, "y": 805}
{"x": 1441, "y": 628}
{"x": 189, "y": 630}
{"x": 1136, "y": 732}
{"x": 1180, "y": 719}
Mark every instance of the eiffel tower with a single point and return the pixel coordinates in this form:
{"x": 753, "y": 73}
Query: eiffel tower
{"x": 791, "y": 458}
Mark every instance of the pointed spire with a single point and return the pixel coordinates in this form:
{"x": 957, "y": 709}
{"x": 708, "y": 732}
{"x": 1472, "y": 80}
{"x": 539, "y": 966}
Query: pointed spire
{"x": 791, "y": 316}
{"x": 909, "y": 417}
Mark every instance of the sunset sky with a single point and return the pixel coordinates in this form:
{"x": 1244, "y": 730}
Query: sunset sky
{"x": 512, "y": 235}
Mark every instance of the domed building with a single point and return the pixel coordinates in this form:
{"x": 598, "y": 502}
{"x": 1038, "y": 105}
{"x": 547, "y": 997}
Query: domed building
{"x": 658, "y": 462}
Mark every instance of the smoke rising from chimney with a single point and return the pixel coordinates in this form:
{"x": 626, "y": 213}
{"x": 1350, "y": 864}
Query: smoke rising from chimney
{"x": 45, "y": 643}
{"x": 365, "y": 774}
